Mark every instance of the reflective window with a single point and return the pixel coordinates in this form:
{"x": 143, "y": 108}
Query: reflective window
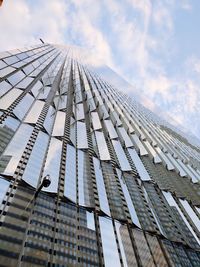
{"x": 23, "y": 106}
{"x": 126, "y": 248}
{"x": 139, "y": 165}
{"x": 182, "y": 173}
{"x": 33, "y": 168}
{"x": 10, "y": 60}
{"x": 102, "y": 146}
{"x": 81, "y": 135}
{"x": 49, "y": 120}
{"x": 24, "y": 83}
{"x": 4, "y": 87}
{"x": 143, "y": 249}
{"x": 85, "y": 192}
{"x": 34, "y": 112}
{"x": 16, "y": 147}
{"x": 62, "y": 102}
{"x": 43, "y": 92}
{"x": 36, "y": 88}
{"x": 164, "y": 157}
{"x": 101, "y": 187}
{"x": 73, "y": 132}
{"x": 129, "y": 202}
{"x": 4, "y": 185}
{"x": 191, "y": 213}
{"x": 59, "y": 125}
{"x": 79, "y": 112}
{"x": 9, "y": 98}
{"x": 70, "y": 174}
{"x": 52, "y": 165}
{"x": 110, "y": 251}
{"x": 151, "y": 150}
{"x": 125, "y": 137}
{"x": 16, "y": 77}
{"x": 111, "y": 129}
{"x": 124, "y": 164}
{"x": 6, "y": 71}
{"x": 139, "y": 145}
{"x": 95, "y": 121}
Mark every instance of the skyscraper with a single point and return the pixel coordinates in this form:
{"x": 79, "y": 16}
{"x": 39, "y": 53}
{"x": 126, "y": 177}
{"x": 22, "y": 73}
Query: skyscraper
{"x": 124, "y": 184}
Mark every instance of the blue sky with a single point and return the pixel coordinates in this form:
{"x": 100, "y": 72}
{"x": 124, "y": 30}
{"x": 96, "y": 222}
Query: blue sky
{"x": 154, "y": 45}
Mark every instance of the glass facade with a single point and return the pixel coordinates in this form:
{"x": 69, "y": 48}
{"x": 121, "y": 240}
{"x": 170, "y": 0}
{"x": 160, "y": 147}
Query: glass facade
{"x": 124, "y": 184}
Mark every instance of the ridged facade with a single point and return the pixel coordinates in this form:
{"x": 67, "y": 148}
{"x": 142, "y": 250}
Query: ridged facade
{"x": 125, "y": 187}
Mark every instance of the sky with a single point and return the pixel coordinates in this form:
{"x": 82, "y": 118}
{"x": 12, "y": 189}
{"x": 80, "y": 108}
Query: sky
{"x": 152, "y": 44}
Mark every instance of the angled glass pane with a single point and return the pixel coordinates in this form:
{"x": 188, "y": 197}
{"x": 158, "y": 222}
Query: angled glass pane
{"x": 81, "y": 135}
{"x": 139, "y": 165}
{"x": 10, "y": 60}
{"x": 143, "y": 249}
{"x": 85, "y": 191}
{"x": 110, "y": 251}
{"x": 111, "y": 129}
{"x": 36, "y": 88}
{"x": 34, "y": 112}
{"x": 124, "y": 164}
{"x": 101, "y": 187}
{"x": 62, "y": 102}
{"x": 152, "y": 151}
{"x": 23, "y": 106}
{"x": 129, "y": 202}
{"x": 96, "y": 121}
{"x": 32, "y": 171}
{"x": 16, "y": 77}
{"x": 165, "y": 159}
{"x": 126, "y": 248}
{"x": 80, "y": 112}
{"x": 49, "y": 120}
{"x": 125, "y": 137}
{"x": 15, "y": 149}
{"x": 24, "y": 83}
{"x": 59, "y": 125}
{"x": 43, "y": 92}
{"x": 4, "y": 87}
{"x": 52, "y": 165}
{"x": 139, "y": 145}
{"x": 4, "y": 185}
{"x": 9, "y": 98}
{"x": 102, "y": 146}
{"x": 6, "y": 71}
{"x": 191, "y": 213}
{"x": 73, "y": 133}
{"x": 70, "y": 174}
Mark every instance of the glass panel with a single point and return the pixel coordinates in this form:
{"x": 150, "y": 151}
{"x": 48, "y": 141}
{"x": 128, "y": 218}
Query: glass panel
{"x": 129, "y": 202}
{"x": 79, "y": 112}
{"x": 6, "y": 71}
{"x": 11, "y": 60}
{"x": 81, "y": 135}
{"x": 182, "y": 173}
{"x": 111, "y": 129}
{"x": 23, "y": 106}
{"x": 4, "y": 87}
{"x": 35, "y": 162}
{"x": 4, "y": 185}
{"x": 85, "y": 191}
{"x": 143, "y": 250}
{"x": 36, "y": 88}
{"x": 43, "y": 92}
{"x": 102, "y": 146}
{"x": 16, "y": 147}
{"x": 164, "y": 157}
{"x": 191, "y": 213}
{"x": 70, "y": 174}
{"x": 125, "y": 137}
{"x": 139, "y": 165}
{"x": 73, "y": 132}
{"x": 110, "y": 251}
{"x": 49, "y": 120}
{"x": 151, "y": 150}
{"x": 168, "y": 196}
{"x": 126, "y": 248}
{"x": 24, "y": 83}
{"x": 139, "y": 145}
{"x": 52, "y": 165}
{"x": 95, "y": 121}
{"x": 9, "y": 98}
{"x": 34, "y": 112}
{"x": 101, "y": 187}
{"x": 124, "y": 164}
{"x": 58, "y": 129}
{"x": 16, "y": 77}
{"x": 187, "y": 170}
{"x": 63, "y": 102}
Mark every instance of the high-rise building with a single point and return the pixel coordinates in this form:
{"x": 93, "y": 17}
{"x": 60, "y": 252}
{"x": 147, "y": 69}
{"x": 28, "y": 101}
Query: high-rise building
{"x": 124, "y": 184}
